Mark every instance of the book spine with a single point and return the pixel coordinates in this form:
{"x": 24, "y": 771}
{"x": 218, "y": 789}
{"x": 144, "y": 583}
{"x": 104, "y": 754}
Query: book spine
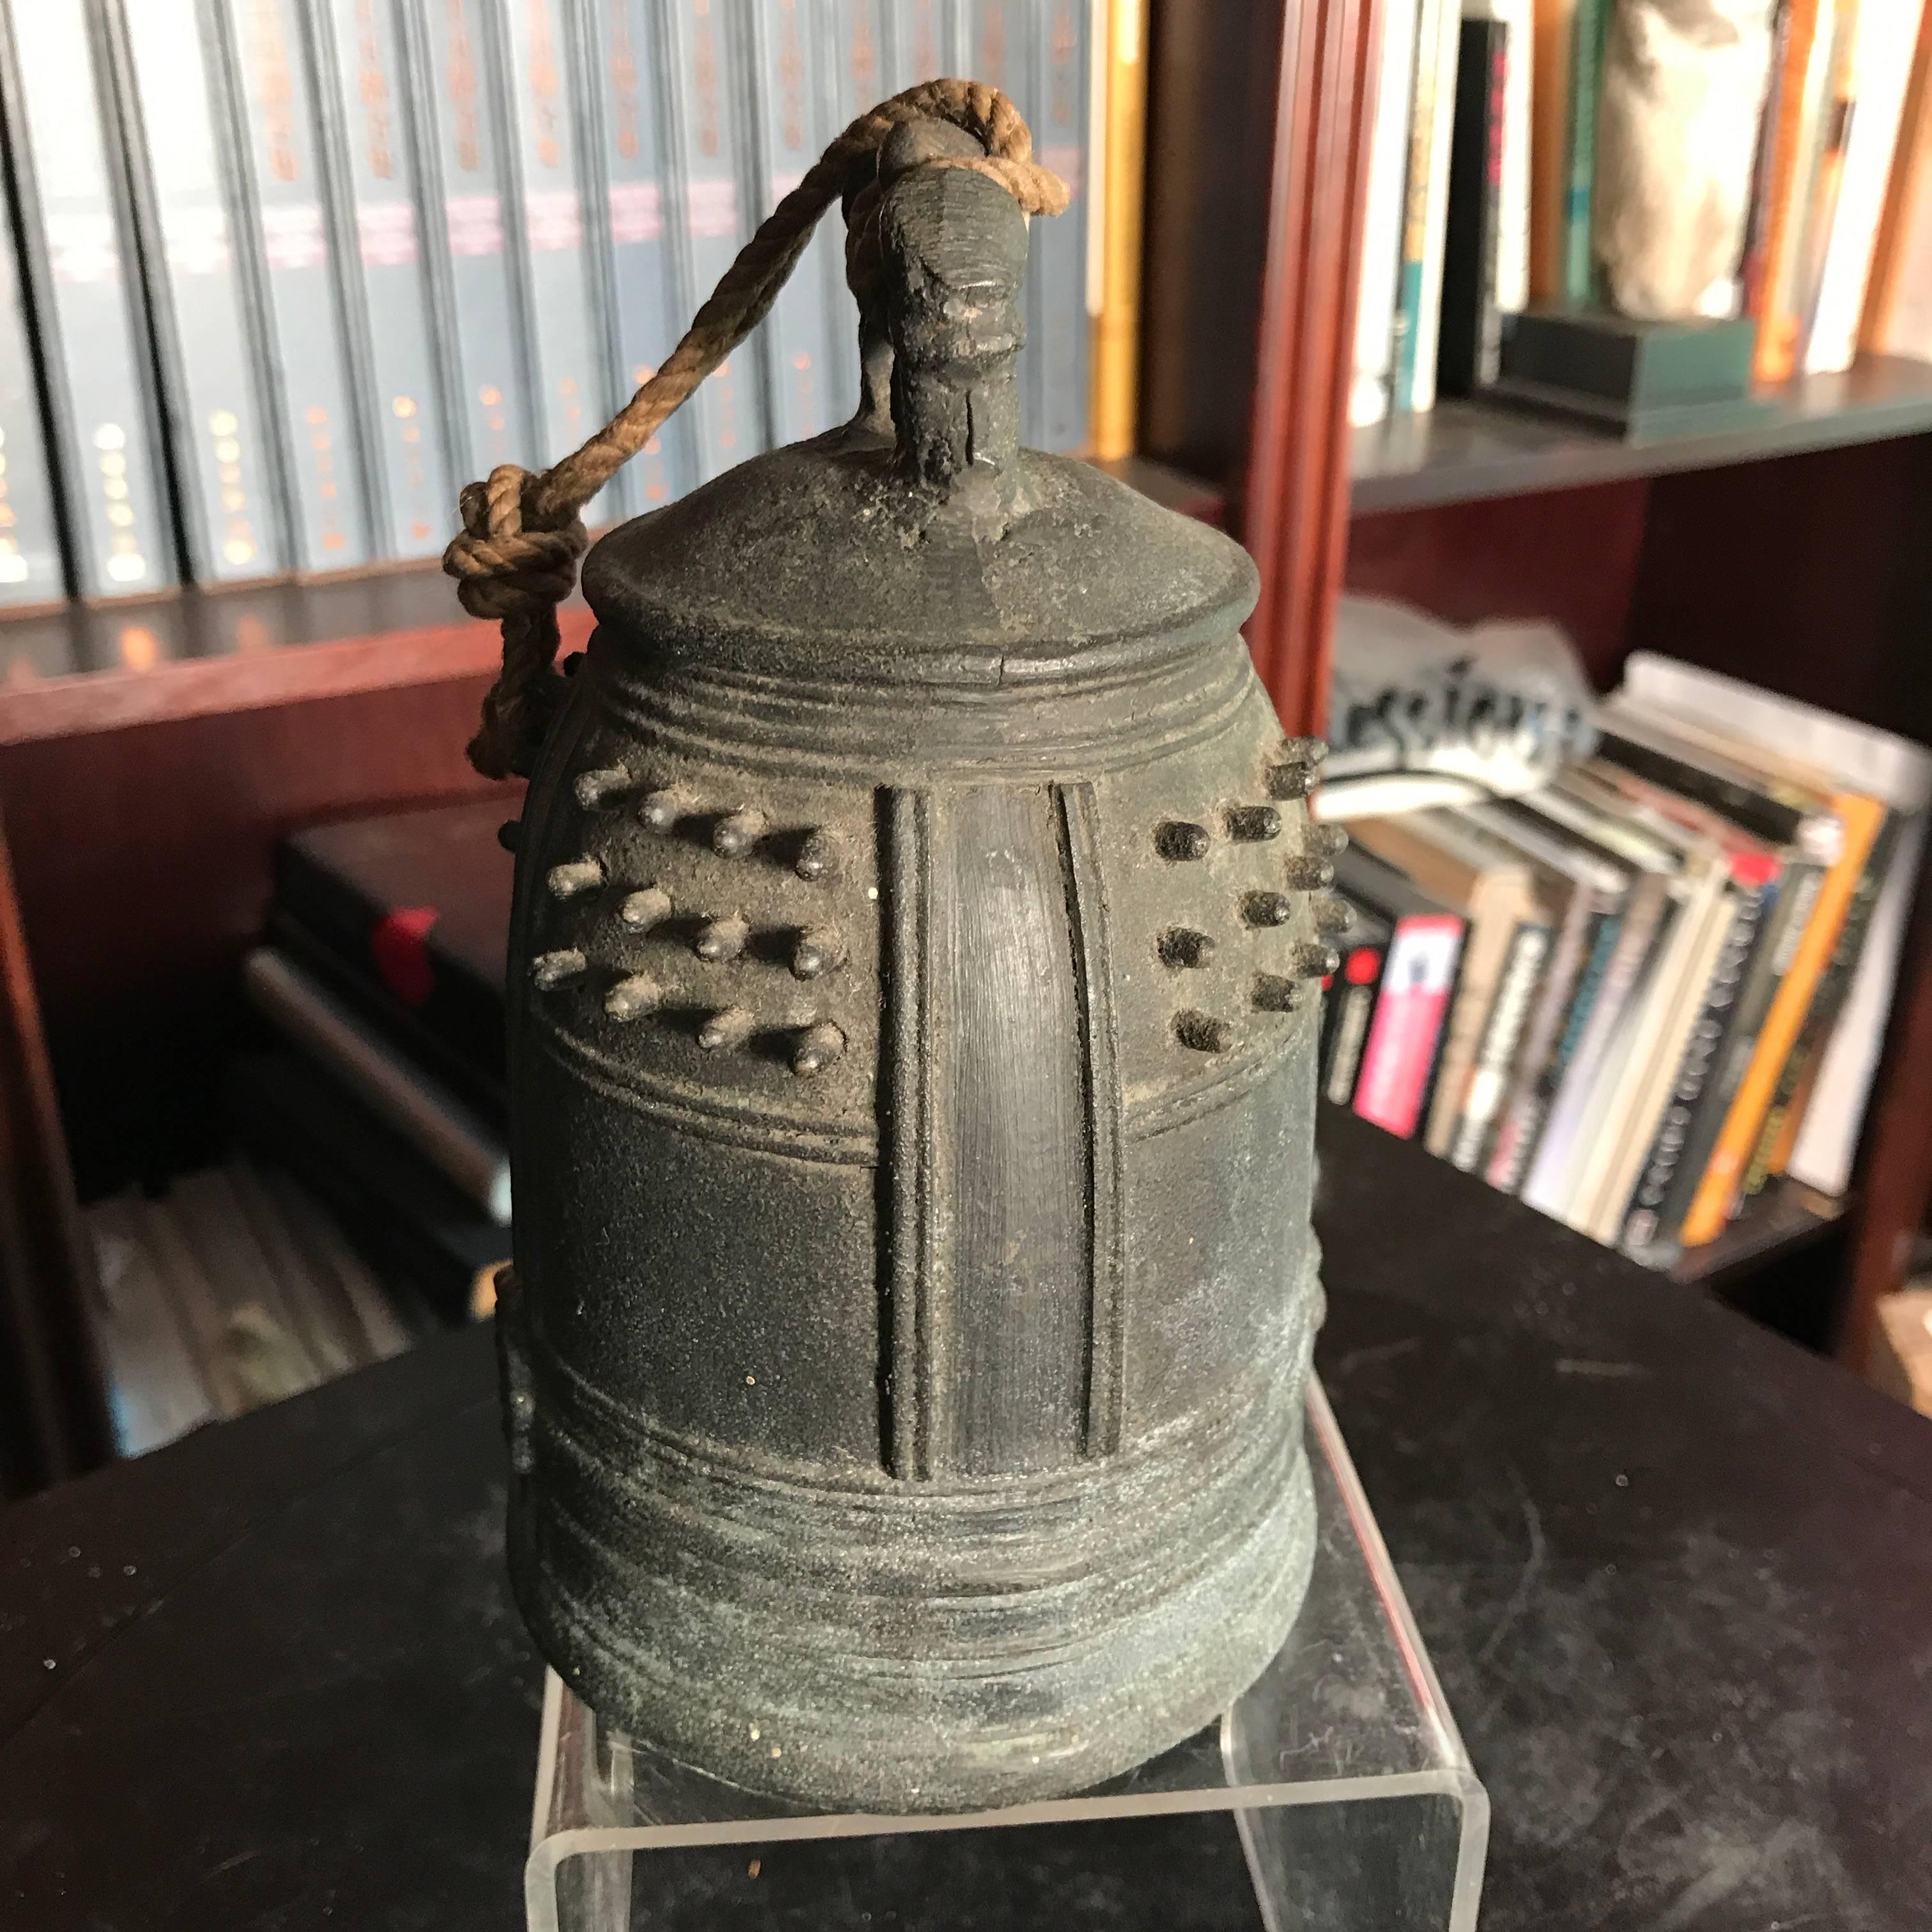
{"x": 857, "y": 76}
{"x": 1407, "y": 326}
{"x": 1442, "y": 118}
{"x": 1755, "y": 251}
{"x": 1821, "y": 225}
{"x": 32, "y": 571}
{"x": 1470, "y": 352}
{"x": 1399, "y": 1059}
{"x": 372, "y": 149}
{"x": 555, "y": 265}
{"x": 1554, "y": 23}
{"x": 1801, "y": 89}
{"x": 85, "y": 302}
{"x": 1645, "y": 1228}
{"x": 703, "y": 66}
{"x": 791, "y": 124}
{"x": 1349, "y": 1003}
{"x": 1383, "y": 219}
{"x": 214, "y": 382}
{"x": 922, "y": 45}
{"x": 1521, "y": 1134}
{"x": 466, "y": 199}
{"x": 1885, "y": 65}
{"x": 1716, "y": 1194}
{"x": 1758, "y": 812}
{"x": 1495, "y": 1052}
{"x": 265, "y": 65}
{"x": 1897, "y": 319}
{"x": 1512, "y": 255}
{"x": 629, "y": 221}
{"x": 1061, "y": 328}
{"x": 1586, "y": 57}
{"x": 1795, "y": 1083}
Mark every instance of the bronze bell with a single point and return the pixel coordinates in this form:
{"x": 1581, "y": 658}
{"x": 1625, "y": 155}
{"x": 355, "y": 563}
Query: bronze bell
{"x": 914, "y": 989}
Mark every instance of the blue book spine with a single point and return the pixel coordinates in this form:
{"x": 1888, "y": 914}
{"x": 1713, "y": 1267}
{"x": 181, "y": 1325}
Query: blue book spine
{"x": 400, "y": 389}
{"x": 30, "y": 557}
{"x": 272, "y": 96}
{"x": 704, "y": 65}
{"x": 467, "y": 203}
{"x": 1058, "y": 318}
{"x": 856, "y": 29}
{"x": 922, "y": 43}
{"x": 215, "y": 384}
{"x": 630, "y": 209}
{"x": 80, "y": 264}
{"x": 998, "y": 51}
{"x": 791, "y": 88}
{"x": 574, "y": 398}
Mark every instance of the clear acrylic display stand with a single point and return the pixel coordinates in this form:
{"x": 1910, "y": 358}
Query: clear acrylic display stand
{"x": 1355, "y": 1800}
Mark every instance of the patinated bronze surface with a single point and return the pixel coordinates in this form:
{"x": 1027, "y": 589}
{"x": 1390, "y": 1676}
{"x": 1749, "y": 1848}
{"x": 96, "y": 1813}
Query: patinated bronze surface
{"x": 915, "y": 987}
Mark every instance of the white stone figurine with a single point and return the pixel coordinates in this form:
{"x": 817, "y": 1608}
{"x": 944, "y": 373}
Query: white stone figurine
{"x": 1683, "y": 86}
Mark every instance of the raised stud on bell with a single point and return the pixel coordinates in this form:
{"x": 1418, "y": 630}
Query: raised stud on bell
{"x": 1333, "y": 916}
{"x": 1272, "y": 993}
{"x": 1304, "y": 751}
{"x": 721, "y": 939}
{"x": 1329, "y": 840}
{"x": 649, "y": 906}
{"x": 1313, "y": 962}
{"x": 1308, "y": 874}
{"x": 1252, "y": 822}
{"x": 1287, "y": 782}
{"x": 818, "y": 856}
{"x": 661, "y": 810}
{"x": 1177, "y": 839}
{"x": 817, "y": 1047}
{"x": 818, "y": 949}
{"x": 1203, "y": 1032}
{"x": 730, "y": 1026}
{"x": 548, "y": 970}
{"x": 599, "y": 788}
{"x": 632, "y": 997}
{"x": 734, "y": 835}
{"x": 574, "y": 876}
{"x": 1182, "y": 946}
{"x": 1267, "y": 908}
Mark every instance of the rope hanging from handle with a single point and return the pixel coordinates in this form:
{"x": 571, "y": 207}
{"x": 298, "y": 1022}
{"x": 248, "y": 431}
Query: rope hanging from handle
{"x": 516, "y": 558}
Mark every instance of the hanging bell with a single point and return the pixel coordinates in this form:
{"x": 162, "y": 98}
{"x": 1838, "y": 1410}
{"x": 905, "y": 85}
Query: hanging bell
{"x": 915, "y": 986}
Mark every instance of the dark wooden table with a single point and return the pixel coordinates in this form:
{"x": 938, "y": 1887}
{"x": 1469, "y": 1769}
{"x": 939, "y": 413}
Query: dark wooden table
{"x": 1676, "y": 1577}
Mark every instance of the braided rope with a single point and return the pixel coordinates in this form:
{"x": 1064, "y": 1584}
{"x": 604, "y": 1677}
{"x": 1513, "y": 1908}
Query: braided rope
{"x": 523, "y": 534}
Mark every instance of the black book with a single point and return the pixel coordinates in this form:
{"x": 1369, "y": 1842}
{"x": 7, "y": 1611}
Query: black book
{"x": 408, "y": 915}
{"x": 1469, "y": 349}
{"x": 1348, "y": 1001}
{"x": 419, "y": 1232}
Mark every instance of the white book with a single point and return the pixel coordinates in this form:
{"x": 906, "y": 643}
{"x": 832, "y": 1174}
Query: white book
{"x": 1887, "y": 36}
{"x": 418, "y": 1108}
{"x": 1445, "y": 56}
{"x": 1381, "y": 229}
{"x": 1862, "y": 758}
{"x": 1513, "y": 229}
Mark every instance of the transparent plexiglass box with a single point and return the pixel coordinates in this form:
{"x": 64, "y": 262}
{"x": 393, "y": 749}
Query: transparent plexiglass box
{"x": 1342, "y": 1768}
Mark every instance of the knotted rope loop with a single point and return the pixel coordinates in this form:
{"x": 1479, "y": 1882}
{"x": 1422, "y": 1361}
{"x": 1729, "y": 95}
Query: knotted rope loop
{"x": 523, "y": 534}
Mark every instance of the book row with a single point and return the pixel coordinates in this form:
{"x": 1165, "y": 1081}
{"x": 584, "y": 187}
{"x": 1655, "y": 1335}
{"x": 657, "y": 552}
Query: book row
{"x": 283, "y": 274}
{"x": 1634, "y": 995}
{"x": 1771, "y": 159}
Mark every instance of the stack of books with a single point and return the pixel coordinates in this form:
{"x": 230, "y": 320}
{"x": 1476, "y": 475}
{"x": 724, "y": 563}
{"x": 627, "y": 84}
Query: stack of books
{"x": 1482, "y": 179}
{"x": 280, "y": 275}
{"x": 381, "y": 979}
{"x": 1635, "y": 996}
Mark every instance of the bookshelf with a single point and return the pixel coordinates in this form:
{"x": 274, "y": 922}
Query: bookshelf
{"x": 152, "y": 753}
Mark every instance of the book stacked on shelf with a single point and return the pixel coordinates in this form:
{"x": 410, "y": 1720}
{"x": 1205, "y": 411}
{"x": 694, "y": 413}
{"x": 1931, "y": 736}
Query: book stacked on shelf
{"x": 280, "y": 275}
{"x": 1555, "y": 156}
{"x": 1638, "y": 994}
{"x": 381, "y": 976}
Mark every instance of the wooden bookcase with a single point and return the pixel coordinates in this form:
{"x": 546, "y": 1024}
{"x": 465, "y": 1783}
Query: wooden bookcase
{"x": 150, "y": 757}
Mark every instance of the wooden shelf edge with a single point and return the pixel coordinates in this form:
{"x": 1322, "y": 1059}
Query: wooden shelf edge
{"x": 111, "y": 700}
{"x": 1466, "y": 452}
